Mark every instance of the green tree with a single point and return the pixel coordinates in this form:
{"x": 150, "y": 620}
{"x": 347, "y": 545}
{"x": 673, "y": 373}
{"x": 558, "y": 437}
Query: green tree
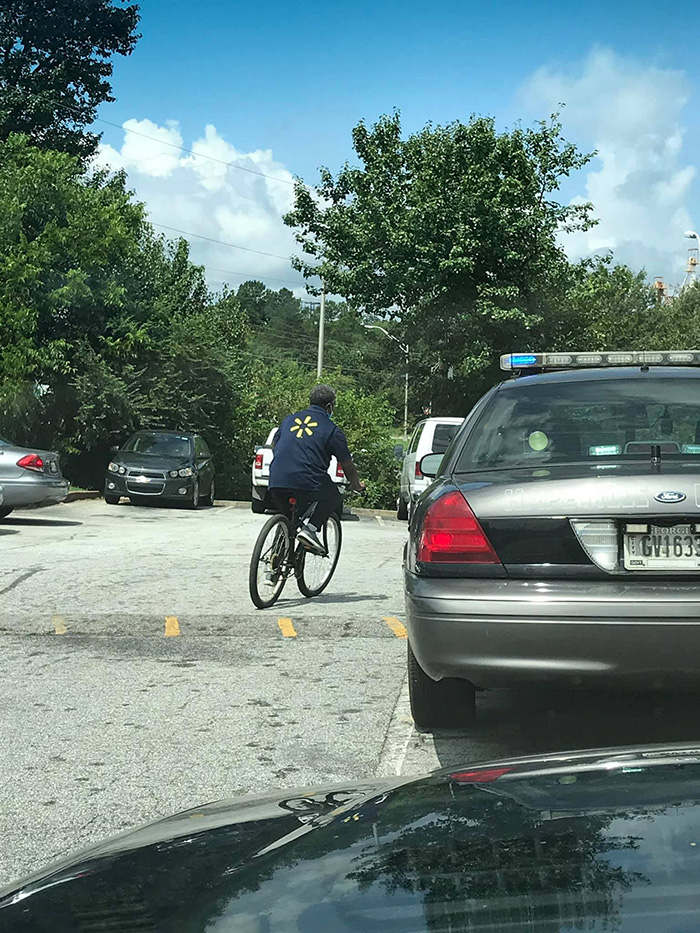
{"x": 115, "y": 324}
{"x": 55, "y": 62}
{"x": 451, "y": 232}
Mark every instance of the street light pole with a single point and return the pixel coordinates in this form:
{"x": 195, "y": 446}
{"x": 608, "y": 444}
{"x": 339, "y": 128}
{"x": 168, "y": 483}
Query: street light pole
{"x": 321, "y": 331}
{"x": 404, "y": 348}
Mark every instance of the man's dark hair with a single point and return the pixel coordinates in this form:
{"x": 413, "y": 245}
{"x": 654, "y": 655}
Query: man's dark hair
{"x": 322, "y": 395}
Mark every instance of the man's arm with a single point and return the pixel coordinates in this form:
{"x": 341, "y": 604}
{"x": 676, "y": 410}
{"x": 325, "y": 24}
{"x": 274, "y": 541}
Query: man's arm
{"x": 351, "y": 474}
{"x": 341, "y": 451}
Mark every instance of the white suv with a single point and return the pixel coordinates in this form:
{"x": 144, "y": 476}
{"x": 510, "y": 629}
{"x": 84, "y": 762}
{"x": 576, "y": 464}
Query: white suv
{"x": 430, "y": 436}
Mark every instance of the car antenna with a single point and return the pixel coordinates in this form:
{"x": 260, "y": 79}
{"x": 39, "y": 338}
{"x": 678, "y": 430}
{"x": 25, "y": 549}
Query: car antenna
{"x": 656, "y": 457}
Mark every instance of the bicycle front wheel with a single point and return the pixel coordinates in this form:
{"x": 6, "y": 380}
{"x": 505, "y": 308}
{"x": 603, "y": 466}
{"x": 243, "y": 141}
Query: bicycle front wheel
{"x": 270, "y": 562}
{"x": 314, "y": 571}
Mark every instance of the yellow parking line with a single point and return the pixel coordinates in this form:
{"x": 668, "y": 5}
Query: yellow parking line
{"x": 287, "y": 628}
{"x": 396, "y": 627}
{"x": 172, "y": 626}
{"x": 59, "y": 624}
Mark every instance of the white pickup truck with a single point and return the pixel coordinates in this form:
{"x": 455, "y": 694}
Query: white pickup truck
{"x": 261, "y": 474}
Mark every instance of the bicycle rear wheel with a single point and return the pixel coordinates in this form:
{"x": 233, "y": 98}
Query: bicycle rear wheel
{"x": 270, "y": 562}
{"x": 314, "y": 571}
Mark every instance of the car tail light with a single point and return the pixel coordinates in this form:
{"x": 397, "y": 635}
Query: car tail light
{"x": 258, "y": 461}
{"x": 451, "y": 534}
{"x": 481, "y": 776}
{"x": 418, "y": 473}
{"x": 339, "y": 472}
{"x": 31, "y": 462}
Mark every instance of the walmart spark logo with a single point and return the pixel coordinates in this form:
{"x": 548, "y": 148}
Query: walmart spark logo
{"x": 299, "y": 426}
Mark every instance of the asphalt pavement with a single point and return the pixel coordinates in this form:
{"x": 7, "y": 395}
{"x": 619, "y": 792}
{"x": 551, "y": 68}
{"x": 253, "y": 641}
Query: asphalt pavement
{"x": 136, "y": 679}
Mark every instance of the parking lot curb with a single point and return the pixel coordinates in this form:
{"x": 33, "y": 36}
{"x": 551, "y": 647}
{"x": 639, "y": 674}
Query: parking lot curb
{"x": 83, "y": 494}
{"x": 234, "y": 504}
{"x": 385, "y": 513}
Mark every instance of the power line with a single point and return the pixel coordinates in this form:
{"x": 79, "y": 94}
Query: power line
{"x": 248, "y": 249}
{"x": 199, "y": 155}
{"x": 257, "y": 276}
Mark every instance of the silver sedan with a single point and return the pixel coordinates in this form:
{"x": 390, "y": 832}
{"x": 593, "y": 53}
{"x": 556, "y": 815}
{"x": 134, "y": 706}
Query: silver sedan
{"x": 560, "y": 542}
{"x": 29, "y": 478}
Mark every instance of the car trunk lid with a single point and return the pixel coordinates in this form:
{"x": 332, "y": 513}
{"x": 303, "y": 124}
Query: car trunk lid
{"x": 583, "y": 520}
{"x": 44, "y": 463}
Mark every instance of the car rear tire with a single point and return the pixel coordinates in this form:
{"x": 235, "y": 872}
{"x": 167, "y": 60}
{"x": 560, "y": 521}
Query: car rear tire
{"x": 439, "y": 704}
{"x": 258, "y": 506}
{"x": 401, "y": 510}
{"x": 112, "y": 500}
{"x": 4, "y": 513}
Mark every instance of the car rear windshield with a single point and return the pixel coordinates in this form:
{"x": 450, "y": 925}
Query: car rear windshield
{"x": 595, "y": 421}
{"x": 162, "y": 445}
{"x": 443, "y": 435}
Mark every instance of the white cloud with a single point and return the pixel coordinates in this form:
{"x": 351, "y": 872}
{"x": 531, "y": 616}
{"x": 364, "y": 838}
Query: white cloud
{"x": 195, "y": 192}
{"x": 631, "y": 112}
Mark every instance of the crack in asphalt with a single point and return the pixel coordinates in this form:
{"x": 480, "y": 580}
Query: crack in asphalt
{"x": 20, "y": 579}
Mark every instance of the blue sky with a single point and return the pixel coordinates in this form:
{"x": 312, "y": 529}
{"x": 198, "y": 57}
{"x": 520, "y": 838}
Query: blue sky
{"x": 284, "y": 84}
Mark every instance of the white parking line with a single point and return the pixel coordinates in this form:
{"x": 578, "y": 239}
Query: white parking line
{"x": 398, "y": 736}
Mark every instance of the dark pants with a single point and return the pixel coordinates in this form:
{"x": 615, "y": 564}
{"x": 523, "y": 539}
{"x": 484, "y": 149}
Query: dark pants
{"x": 327, "y": 498}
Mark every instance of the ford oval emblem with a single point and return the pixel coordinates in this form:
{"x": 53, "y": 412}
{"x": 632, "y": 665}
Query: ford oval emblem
{"x": 670, "y": 496}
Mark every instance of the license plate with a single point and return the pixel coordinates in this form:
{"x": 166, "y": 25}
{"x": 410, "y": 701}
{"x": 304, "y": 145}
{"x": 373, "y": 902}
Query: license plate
{"x": 53, "y": 466}
{"x": 676, "y": 548}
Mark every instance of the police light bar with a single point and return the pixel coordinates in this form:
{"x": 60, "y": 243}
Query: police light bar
{"x": 533, "y": 361}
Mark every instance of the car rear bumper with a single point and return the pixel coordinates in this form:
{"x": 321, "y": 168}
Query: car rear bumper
{"x": 508, "y": 632}
{"x": 33, "y": 493}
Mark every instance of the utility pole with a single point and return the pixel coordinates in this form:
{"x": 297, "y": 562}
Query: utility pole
{"x": 405, "y": 401}
{"x": 321, "y": 331}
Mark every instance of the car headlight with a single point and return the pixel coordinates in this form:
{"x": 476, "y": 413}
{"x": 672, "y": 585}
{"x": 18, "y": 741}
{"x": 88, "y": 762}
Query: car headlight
{"x": 122, "y": 469}
{"x": 173, "y": 473}
{"x": 113, "y": 467}
{"x": 185, "y": 471}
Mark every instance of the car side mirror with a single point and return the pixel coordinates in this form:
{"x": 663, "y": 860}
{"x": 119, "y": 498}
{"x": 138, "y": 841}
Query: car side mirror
{"x": 398, "y": 451}
{"x": 430, "y": 464}
{"x": 113, "y": 449}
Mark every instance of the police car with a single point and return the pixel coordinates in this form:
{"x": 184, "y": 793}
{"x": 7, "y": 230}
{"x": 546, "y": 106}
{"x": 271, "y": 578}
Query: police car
{"x": 560, "y": 542}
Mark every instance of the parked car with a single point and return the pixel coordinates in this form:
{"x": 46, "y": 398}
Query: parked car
{"x": 29, "y": 478}
{"x": 162, "y": 465}
{"x": 560, "y": 542}
{"x": 595, "y": 840}
{"x": 260, "y": 474}
{"x": 432, "y": 435}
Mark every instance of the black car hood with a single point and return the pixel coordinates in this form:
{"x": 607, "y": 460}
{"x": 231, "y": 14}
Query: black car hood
{"x": 150, "y": 462}
{"x": 596, "y": 841}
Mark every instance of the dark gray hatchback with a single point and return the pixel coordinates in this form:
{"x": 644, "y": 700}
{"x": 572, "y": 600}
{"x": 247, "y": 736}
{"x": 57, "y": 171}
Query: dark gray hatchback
{"x": 161, "y": 465}
{"x": 560, "y": 542}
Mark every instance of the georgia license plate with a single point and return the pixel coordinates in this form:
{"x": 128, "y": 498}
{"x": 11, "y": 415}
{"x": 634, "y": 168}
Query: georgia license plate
{"x": 675, "y": 548}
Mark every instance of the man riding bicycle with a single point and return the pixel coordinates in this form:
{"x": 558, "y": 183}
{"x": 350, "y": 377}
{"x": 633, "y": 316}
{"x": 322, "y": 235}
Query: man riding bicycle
{"x": 303, "y": 447}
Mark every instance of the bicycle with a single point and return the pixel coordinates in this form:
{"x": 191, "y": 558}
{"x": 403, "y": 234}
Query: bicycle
{"x": 278, "y": 553}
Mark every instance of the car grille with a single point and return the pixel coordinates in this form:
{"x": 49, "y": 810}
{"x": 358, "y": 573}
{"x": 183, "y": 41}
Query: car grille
{"x": 145, "y": 482}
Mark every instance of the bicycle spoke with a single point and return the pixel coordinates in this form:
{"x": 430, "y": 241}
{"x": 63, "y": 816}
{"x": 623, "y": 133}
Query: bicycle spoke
{"x": 317, "y": 567}
{"x": 269, "y": 572}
